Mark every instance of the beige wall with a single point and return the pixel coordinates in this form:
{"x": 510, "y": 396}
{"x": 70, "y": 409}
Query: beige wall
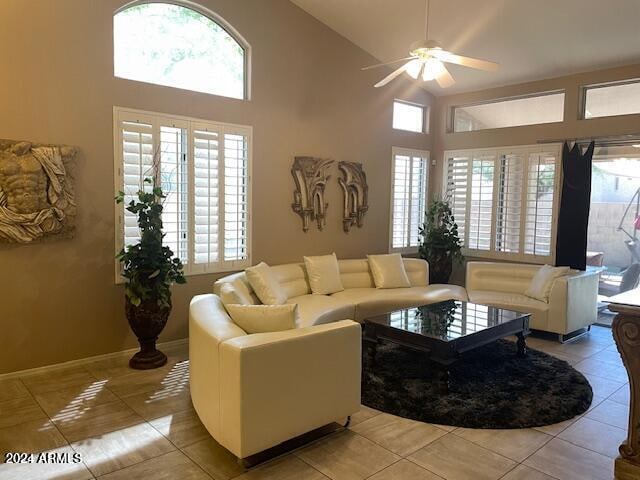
{"x": 58, "y": 300}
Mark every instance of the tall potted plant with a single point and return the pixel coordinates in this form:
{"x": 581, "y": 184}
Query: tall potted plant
{"x": 149, "y": 269}
{"x": 440, "y": 244}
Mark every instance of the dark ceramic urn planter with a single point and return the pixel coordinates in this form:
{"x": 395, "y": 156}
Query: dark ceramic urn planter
{"x": 440, "y": 270}
{"x": 147, "y": 321}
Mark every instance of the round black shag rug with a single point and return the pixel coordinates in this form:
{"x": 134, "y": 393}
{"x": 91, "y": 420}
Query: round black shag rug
{"x": 490, "y": 388}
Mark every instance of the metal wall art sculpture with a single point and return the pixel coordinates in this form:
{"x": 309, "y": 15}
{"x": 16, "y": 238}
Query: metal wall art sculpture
{"x": 36, "y": 191}
{"x": 310, "y": 175}
{"x": 355, "y": 190}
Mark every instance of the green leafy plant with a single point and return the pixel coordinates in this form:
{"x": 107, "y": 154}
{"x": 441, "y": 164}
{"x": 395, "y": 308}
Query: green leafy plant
{"x": 149, "y": 267}
{"x": 440, "y": 243}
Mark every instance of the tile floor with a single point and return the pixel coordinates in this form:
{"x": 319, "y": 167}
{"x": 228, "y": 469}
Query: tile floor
{"x": 137, "y": 425}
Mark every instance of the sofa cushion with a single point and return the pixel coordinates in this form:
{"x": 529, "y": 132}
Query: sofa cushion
{"x": 542, "y": 281}
{"x": 510, "y": 301}
{"x": 372, "y": 301}
{"x": 318, "y": 309}
{"x": 324, "y": 274}
{"x": 265, "y": 284}
{"x": 388, "y": 271}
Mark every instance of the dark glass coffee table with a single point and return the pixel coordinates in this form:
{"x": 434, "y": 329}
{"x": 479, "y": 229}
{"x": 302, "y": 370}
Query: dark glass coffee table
{"x": 445, "y": 331}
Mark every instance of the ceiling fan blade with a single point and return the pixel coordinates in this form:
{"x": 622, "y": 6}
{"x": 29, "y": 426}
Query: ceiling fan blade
{"x": 444, "y": 78}
{"x": 476, "y": 63}
{"x": 391, "y": 76}
{"x": 387, "y": 63}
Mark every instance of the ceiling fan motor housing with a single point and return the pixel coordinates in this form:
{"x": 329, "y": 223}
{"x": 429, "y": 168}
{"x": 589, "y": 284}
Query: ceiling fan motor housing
{"x": 422, "y": 47}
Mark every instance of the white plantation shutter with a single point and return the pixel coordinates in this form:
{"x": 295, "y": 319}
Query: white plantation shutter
{"x": 456, "y": 191}
{"x": 206, "y": 180}
{"x": 540, "y": 200}
{"x": 236, "y": 197}
{"x": 408, "y": 197}
{"x": 509, "y": 203}
{"x": 204, "y": 172}
{"x": 505, "y": 200}
{"x": 136, "y": 143}
{"x": 481, "y": 201}
{"x": 173, "y": 181}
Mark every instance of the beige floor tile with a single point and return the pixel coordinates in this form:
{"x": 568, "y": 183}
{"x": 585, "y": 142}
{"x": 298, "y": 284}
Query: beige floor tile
{"x": 95, "y": 420}
{"x": 596, "y": 436}
{"x": 556, "y": 428}
{"x": 214, "y": 459}
{"x": 20, "y": 410}
{"x": 152, "y": 405}
{"x": 399, "y": 435}
{"x": 566, "y": 461}
{"x": 66, "y": 401}
{"x": 170, "y": 466}
{"x": 182, "y": 428}
{"x": 63, "y": 467}
{"x": 405, "y": 470}
{"x": 590, "y": 366}
{"x": 608, "y": 356}
{"x": 12, "y": 388}
{"x": 453, "y": 457}
{"x": 622, "y": 395}
{"x": 522, "y": 472}
{"x": 365, "y": 413}
{"x": 30, "y": 437}
{"x": 602, "y": 387}
{"x": 288, "y": 468}
{"x": 165, "y": 380}
{"x": 122, "y": 448}
{"x": 516, "y": 444}
{"x": 346, "y": 456}
{"x": 582, "y": 349}
{"x": 57, "y": 379}
{"x": 611, "y": 413}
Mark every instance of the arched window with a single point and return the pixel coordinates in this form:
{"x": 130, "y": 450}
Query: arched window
{"x": 178, "y": 46}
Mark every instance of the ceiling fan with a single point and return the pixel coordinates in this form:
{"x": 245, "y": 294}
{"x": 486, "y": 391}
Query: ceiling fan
{"x": 427, "y": 58}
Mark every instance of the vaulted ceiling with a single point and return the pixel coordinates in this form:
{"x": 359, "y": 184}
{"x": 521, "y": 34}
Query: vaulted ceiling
{"x": 531, "y": 39}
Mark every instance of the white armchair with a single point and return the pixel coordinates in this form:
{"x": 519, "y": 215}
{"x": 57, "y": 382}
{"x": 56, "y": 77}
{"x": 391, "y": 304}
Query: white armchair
{"x": 253, "y": 392}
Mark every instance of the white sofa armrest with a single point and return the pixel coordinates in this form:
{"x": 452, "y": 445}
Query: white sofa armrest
{"x": 573, "y": 302}
{"x": 279, "y": 385}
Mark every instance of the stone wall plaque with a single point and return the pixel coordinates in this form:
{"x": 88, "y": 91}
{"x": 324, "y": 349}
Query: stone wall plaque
{"x": 355, "y": 191}
{"x": 310, "y": 176}
{"x": 36, "y": 191}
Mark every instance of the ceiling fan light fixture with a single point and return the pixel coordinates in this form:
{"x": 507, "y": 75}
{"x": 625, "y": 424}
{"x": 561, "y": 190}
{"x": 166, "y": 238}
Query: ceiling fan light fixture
{"x": 432, "y": 68}
{"x": 414, "y": 67}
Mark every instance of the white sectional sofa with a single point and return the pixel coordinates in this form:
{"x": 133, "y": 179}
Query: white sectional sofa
{"x": 572, "y": 303}
{"x": 255, "y": 391}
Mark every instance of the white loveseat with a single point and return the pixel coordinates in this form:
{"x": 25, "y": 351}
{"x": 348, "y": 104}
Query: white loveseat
{"x": 572, "y": 303}
{"x": 255, "y": 391}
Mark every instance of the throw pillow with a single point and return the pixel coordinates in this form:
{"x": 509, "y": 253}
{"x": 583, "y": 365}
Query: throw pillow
{"x": 236, "y": 292}
{"x": 264, "y": 318}
{"x": 542, "y": 281}
{"x": 324, "y": 274}
{"x": 388, "y": 271}
{"x": 265, "y": 284}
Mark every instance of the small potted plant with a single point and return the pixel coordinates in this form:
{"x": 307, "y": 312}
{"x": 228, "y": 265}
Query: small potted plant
{"x": 149, "y": 269}
{"x": 440, "y": 244}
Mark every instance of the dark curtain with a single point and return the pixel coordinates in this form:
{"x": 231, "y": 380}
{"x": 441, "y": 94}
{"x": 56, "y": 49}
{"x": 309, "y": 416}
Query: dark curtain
{"x": 573, "y": 217}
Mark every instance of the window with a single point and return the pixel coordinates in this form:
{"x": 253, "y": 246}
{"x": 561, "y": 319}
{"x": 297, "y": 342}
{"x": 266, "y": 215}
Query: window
{"x": 204, "y": 170}
{"x": 620, "y": 98}
{"x": 408, "y": 116}
{"x": 176, "y": 46}
{"x": 545, "y": 107}
{"x": 408, "y": 197}
{"x": 504, "y": 200}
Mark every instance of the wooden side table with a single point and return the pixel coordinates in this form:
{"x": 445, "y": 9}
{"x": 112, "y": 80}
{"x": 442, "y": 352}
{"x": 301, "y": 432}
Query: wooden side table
{"x": 626, "y": 332}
